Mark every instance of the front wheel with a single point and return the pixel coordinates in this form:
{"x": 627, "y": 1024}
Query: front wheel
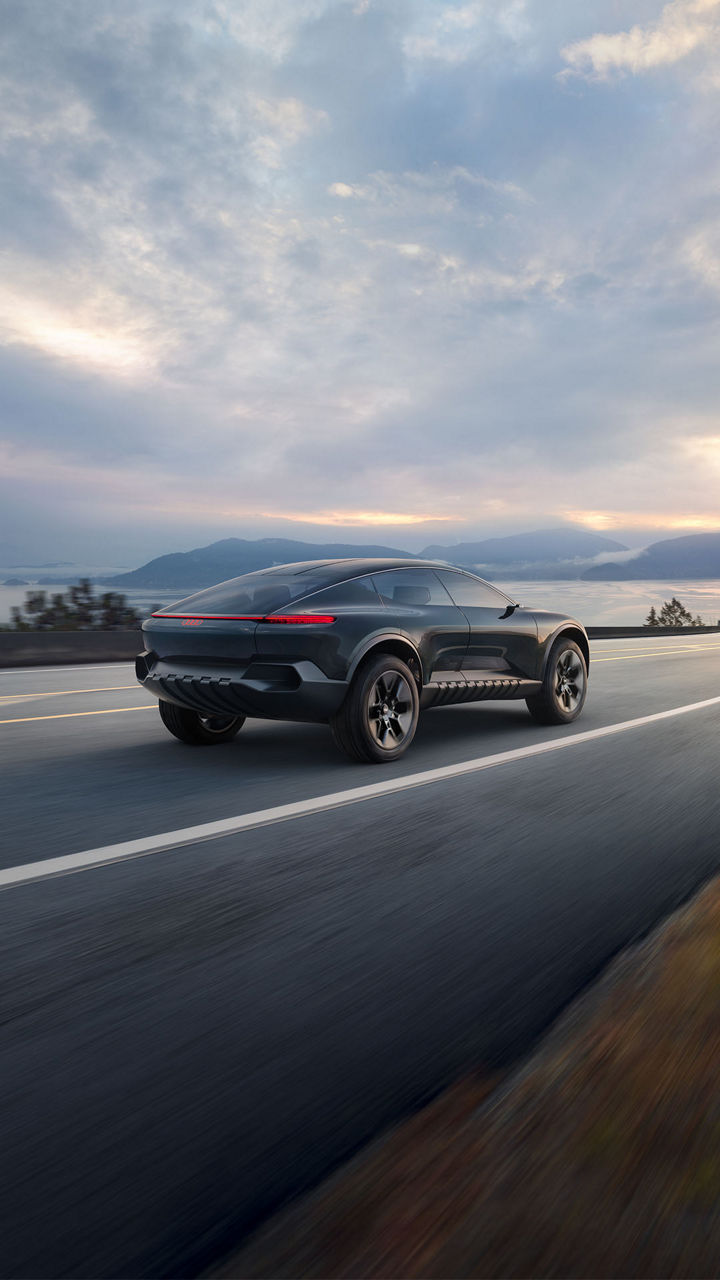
{"x": 564, "y": 685}
{"x": 198, "y": 728}
{"x": 379, "y": 716}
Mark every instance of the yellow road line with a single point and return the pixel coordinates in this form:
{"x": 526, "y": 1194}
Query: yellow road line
{"x": 667, "y": 653}
{"x": 648, "y": 653}
{"x": 60, "y": 693}
{"x": 694, "y": 648}
{"x": 68, "y": 715}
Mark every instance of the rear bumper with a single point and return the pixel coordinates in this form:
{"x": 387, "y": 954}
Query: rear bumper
{"x": 268, "y": 691}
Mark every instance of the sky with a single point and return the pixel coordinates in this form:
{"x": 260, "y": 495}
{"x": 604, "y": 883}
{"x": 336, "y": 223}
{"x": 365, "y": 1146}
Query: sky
{"x": 405, "y": 271}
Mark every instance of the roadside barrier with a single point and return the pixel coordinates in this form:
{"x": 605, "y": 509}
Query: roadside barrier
{"x": 51, "y": 648}
{"x": 620, "y": 633}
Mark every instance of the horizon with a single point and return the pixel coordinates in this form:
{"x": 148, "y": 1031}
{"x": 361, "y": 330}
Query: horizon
{"x": 99, "y": 571}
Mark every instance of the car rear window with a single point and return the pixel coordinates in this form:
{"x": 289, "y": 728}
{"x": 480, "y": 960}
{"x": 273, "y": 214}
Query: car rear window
{"x": 253, "y": 593}
{"x": 356, "y": 591}
{"x": 414, "y": 588}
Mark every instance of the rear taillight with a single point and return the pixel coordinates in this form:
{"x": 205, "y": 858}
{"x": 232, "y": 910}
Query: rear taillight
{"x": 248, "y": 617}
{"x": 213, "y": 617}
{"x": 300, "y": 617}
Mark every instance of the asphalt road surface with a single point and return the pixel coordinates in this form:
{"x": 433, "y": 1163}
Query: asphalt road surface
{"x": 193, "y": 1034}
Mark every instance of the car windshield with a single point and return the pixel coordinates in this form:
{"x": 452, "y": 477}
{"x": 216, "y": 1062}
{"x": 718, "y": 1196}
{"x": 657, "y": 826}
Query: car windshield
{"x": 252, "y": 594}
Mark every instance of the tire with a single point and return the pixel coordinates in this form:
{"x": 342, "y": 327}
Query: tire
{"x": 379, "y": 716}
{"x": 564, "y": 685}
{"x": 196, "y": 729}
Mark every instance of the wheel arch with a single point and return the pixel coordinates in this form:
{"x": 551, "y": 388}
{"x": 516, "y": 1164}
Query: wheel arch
{"x": 571, "y": 632}
{"x": 400, "y": 646}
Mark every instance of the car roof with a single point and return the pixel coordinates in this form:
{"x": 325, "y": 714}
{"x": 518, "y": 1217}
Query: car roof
{"x": 339, "y": 570}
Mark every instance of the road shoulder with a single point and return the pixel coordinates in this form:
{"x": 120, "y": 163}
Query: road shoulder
{"x": 598, "y": 1158}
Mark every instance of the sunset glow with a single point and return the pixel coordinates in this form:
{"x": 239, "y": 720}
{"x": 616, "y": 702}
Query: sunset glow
{"x": 608, "y": 520}
{"x": 359, "y": 517}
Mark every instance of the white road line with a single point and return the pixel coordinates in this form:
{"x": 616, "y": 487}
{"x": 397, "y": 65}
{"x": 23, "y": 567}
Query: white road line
{"x": 72, "y": 862}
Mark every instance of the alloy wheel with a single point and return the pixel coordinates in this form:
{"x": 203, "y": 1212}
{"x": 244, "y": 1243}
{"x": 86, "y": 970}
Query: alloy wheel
{"x": 390, "y": 710}
{"x": 569, "y": 680}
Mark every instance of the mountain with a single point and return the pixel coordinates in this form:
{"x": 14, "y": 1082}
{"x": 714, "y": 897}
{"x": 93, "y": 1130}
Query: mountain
{"x": 696, "y": 555}
{"x": 542, "y": 553}
{"x": 190, "y": 570}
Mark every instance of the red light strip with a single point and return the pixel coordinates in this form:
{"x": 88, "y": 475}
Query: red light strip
{"x": 251, "y": 617}
{"x": 300, "y": 617}
{"x": 214, "y": 617}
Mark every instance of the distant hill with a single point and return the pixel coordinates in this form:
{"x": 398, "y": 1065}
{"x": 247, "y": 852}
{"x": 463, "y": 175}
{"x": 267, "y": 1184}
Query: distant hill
{"x": 696, "y": 555}
{"x": 550, "y": 553}
{"x": 544, "y": 553}
{"x": 190, "y": 570}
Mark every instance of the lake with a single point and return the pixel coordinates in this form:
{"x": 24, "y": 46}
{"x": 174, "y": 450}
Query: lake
{"x": 594, "y": 603}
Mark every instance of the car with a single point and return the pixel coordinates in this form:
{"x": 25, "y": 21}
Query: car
{"x": 363, "y": 645}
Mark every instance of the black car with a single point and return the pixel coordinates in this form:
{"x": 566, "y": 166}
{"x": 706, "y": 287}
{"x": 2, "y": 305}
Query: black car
{"x": 363, "y": 645}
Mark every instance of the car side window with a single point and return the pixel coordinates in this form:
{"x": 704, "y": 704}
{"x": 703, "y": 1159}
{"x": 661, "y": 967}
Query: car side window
{"x": 416, "y": 588}
{"x": 472, "y": 592}
{"x": 356, "y": 591}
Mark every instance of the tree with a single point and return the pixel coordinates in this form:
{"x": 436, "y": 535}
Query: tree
{"x": 79, "y": 609}
{"x": 674, "y": 614}
{"x": 652, "y": 618}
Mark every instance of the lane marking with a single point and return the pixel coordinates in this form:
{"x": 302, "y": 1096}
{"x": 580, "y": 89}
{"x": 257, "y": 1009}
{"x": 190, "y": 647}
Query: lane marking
{"x": 70, "y": 715}
{"x": 677, "y": 642}
{"x": 676, "y": 648}
{"x": 69, "y": 666}
{"x": 73, "y": 862}
{"x": 667, "y": 653}
{"x": 61, "y": 693}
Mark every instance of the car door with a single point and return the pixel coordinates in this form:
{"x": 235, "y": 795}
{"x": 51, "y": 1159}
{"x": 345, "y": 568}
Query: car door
{"x": 419, "y": 605}
{"x": 500, "y": 642}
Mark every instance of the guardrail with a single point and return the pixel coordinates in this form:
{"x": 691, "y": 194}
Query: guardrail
{"x": 619, "y": 633}
{"x": 51, "y": 648}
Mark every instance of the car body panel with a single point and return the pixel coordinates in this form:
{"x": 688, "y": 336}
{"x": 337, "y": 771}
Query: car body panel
{"x": 423, "y": 610}
{"x": 197, "y": 640}
{"x": 501, "y": 644}
{"x": 552, "y": 625}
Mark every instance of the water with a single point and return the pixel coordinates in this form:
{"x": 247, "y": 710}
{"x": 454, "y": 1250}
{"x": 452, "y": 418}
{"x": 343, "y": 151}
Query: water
{"x": 594, "y": 603}
{"x": 620, "y": 604}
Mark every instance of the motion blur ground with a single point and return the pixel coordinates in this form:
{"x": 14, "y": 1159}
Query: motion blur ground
{"x": 202, "y": 1034}
{"x": 599, "y": 1158}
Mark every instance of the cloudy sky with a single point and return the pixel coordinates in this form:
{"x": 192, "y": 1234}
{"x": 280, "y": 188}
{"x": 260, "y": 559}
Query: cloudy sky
{"x": 408, "y": 270}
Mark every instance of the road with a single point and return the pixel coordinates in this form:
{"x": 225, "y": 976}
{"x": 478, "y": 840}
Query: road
{"x": 195, "y": 1033}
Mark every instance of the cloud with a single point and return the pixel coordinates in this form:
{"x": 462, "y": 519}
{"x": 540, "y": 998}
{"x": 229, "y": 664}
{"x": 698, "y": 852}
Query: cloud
{"x": 280, "y": 261}
{"x": 455, "y": 33}
{"x": 683, "y": 27}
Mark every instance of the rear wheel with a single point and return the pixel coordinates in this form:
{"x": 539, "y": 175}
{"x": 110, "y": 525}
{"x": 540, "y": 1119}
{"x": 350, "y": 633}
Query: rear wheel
{"x": 197, "y": 728}
{"x": 564, "y": 685}
{"x": 379, "y": 716}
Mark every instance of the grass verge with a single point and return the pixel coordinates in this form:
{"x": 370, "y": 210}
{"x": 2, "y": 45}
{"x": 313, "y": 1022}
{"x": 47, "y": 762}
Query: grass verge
{"x": 599, "y": 1158}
